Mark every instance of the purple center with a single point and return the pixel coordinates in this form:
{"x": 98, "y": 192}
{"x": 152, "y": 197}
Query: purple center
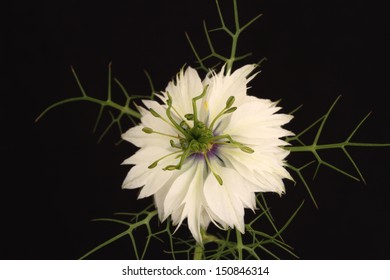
{"x": 210, "y": 154}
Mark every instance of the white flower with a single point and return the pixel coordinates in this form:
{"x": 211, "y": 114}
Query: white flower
{"x": 203, "y": 159}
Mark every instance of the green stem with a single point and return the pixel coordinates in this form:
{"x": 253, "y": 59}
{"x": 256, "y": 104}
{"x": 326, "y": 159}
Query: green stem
{"x": 239, "y": 244}
{"x": 105, "y": 244}
{"x": 232, "y": 58}
{"x": 311, "y": 148}
{"x": 125, "y": 110}
{"x": 198, "y": 254}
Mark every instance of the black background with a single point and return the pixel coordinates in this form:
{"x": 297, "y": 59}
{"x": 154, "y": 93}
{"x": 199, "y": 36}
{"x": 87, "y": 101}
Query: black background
{"x": 56, "y": 178}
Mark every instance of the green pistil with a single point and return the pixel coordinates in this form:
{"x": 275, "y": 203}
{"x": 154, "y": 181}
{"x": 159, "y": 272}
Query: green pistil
{"x": 149, "y": 130}
{"x": 198, "y": 139}
{"x": 194, "y": 108}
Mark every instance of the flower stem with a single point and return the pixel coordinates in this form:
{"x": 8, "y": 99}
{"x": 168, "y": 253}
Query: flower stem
{"x": 239, "y": 244}
{"x": 198, "y": 252}
{"x": 232, "y": 58}
{"x": 311, "y": 148}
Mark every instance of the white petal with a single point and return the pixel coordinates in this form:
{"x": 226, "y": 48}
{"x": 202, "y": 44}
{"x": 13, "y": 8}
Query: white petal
{"x": 159, "y": 198}
{"x": 178, "y": 190}
{"x": 194, "y": 202}
{"x": 254, "y": 121}
{"x": 228, "y": 201}
{"x": 186, "y": 198}
{"x": 135, "y": 178}
{"x": 137, "y": 137}
{"x": 148, "y": 155}
{"x": 221, "y": 87}
{"x": 186, "y": 86}
{"x": 271, "y": 181}
{"x": 156, "y": 180}
{"x": 151, "y": 179}
{"x": 254, "y": 167}
{"x": 204, "y": 219}
{"x": 154, "y": 122}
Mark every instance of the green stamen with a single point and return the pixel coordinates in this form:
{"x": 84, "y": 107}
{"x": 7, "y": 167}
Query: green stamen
{"x": 230, "y": 101}
{"x": 230, "y": 110}
{"x": 219, "y": 179}
{"x": 189, "y": 117}
{"x": 246, "y": 149}
{"x": 239, "y": 145}
{"x": 198, "y": 139}
{"x": 183, "y": 157}
{"x": 226, "y": 110}
{"x": 157, "y": 115}
{"x": 168, "y": 113}
{"x": 154, "y": 164}
{"x": 149, "y": 130}
{"x": 154, "y": 113}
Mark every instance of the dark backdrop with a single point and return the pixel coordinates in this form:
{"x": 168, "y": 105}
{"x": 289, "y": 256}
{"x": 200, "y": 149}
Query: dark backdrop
{"x": 56, "y": 178}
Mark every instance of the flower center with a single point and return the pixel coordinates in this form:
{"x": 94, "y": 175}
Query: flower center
{"x": 197, "y": 139}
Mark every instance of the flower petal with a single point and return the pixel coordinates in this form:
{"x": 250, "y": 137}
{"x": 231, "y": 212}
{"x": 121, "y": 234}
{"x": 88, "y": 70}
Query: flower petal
{"x": 185, "y": 197}
{"x": 186, "y": 86}
{"x": 228, "y": 201}
{"x": 159, "y": 198}
{"x": 253, "y": 167}
{"x": 221, "y": 87}
{"x": 255, "y": 121}
{"x": 151, "y": 179}
{"x": 139, "y": 138}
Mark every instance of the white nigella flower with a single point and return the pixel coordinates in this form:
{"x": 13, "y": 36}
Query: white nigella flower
{"x": 203, "y": 159}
